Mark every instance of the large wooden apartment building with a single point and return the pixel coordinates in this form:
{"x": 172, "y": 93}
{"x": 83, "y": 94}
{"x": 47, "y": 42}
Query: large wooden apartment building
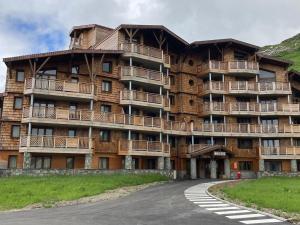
{"x": 140, "y": 97}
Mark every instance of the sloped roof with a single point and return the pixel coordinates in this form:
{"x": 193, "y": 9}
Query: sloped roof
{"x": 272, "y": 59}
{"x": 88, "y": 26}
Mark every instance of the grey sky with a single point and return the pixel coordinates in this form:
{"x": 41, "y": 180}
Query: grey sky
{"x": 42, "y": 25}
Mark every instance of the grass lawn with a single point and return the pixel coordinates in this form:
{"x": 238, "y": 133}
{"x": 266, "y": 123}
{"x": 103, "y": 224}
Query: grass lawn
{"x": 280, "y": 193}
{"x": 18, "y": 192}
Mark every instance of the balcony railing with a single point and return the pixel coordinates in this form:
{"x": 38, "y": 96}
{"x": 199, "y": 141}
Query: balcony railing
{"x": 177, "y": 126}
{"x": 143, "y": 147}
{"x": 131, "y": 72}
{"x": 247, "y": 87}
{"x": 229, "y": 67}
{"x": 59, "y": 87}
{"x": 56, "y": 144}
{"x": 151, "y": 53}
{"x": 280, "y": 151}
{"x": 141, "y": 98}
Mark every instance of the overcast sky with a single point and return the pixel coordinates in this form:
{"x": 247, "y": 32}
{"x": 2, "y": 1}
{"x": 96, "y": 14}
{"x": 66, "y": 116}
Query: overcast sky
{"x": 31, "y": 26}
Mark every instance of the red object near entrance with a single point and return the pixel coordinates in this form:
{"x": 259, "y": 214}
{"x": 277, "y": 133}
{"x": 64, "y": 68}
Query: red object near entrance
{"x": 238, "y": 175}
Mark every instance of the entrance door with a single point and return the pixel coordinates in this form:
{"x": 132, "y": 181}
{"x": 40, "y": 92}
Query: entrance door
{"x": 220, "y": 168}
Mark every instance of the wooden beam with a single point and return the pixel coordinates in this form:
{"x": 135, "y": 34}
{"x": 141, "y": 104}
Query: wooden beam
{"x": 87, "y": 64}
{"x": 134, "y": 33}
{"x": 31, "y": 67}
{"x": 93, "y": 67}
{"x": 43, "y": 64}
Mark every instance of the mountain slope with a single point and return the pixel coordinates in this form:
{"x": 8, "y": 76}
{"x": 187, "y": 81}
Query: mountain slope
{"x": 287, "y": 49}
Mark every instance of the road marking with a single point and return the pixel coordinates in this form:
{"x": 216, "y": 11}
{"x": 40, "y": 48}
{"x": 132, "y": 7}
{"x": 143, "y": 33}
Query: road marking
{"x": 214, "y": 205}
{"x": 260, "y": 221}
{"x": 208, "y": 202}
{"x": 203, "y": 200}
{"x": 222, "y": 208}
{"x": 232, "y": 212}
{"x": 245, "y": 216}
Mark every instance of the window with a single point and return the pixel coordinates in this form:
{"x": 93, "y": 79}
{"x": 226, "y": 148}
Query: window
{"x": 105, "y": 108}
{"x": 107, "y": 67}
{"x": 103, "y": 163}
{"x": 20, "y": 76}
{"x": 40, "y": 163}
{"x": 245, "y": 143}
{"x": 267, "y": 76}
{"x": 191, "y": 62}
{"x": 15, "y": 131}
{"x": 47, "y": 74}
{"x": 106, "y": 86}
{"x": 172, "y": 99}
{"x": 74, "y": 80}
{"x": 70, "y": 162}
{"x": 41, "y": 131}
{"x": 172, "y": 80}
{"x": 104, "y": 135}
{"x": 274, "y": 166}
{"x": 12, "y": 161}
{"x": 270, "y": 143}
{"x": 245, "y": 165}
{"x": 191, "y": 82}
{"x": 18, "y": 102}
{"x": 191, "y": 102}
{"x": 75, "y": 69}
{"x": 72, "y": 133}
{"x": 238, "y": 55}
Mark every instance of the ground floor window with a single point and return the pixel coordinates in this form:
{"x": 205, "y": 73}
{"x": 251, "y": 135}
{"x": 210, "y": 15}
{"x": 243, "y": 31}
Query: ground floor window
{"x": 273, "y": 166}
{"x": 12, "y": 162}
{"x": 70, "y": 162}
{"x": 173, "y": 164}
{"x": 245, "y": 165}
{"x": 40, "y": 162}
{"x": 103, "y": 163}
{"x": 298, "y": 165}
{"x": 135, "y": 163}
{"x": 151, "y": 164}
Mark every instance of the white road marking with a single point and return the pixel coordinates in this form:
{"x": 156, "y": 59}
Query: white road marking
{"x": 244, "y": 216}
{"x": 260, "y": 221}
{"x": 222, "y": 208}
{"x": 232, "y": 212}
{"x": 208, "y": 202}
{"x": 202, "y": 200}
{"x": 214, "y": 205}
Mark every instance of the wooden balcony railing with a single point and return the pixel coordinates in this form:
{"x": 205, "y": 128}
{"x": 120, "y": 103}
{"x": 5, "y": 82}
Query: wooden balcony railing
{"x": 141, "y": 96}
{"x": 248, "y": 87}
{"x": 177, "y": 126}
{"x": 139, "y": 72}
{"x": 143, "y": 147}
{"x": 61, "y": 86}
{"x": 280, "y": 151}
{"x": 142, "y": 49}
{"x": 229, "y": 66}
{"x": 59, "y": 142}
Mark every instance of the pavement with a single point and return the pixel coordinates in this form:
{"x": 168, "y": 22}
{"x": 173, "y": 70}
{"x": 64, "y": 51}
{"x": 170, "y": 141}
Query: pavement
{"x": 169, "y": 204}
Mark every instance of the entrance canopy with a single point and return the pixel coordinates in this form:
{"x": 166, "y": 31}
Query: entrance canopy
{"x": 214, "y": 151}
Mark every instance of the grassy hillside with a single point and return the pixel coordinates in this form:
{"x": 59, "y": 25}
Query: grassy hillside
{"x": 287, "y": 49}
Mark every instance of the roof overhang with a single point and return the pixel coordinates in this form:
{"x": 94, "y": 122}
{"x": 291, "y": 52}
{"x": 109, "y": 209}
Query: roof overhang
{"x": 87, "y": 27}
{"x": 211, "y": 150}
{"x": 274, "y": 60}
{"x": 60, "y": 53}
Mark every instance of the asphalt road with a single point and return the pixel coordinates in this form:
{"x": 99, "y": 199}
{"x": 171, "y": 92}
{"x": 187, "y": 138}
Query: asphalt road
{"x": 161, "y": 204}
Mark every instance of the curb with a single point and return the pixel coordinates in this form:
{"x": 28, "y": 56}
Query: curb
{"x": 241, "y": 206}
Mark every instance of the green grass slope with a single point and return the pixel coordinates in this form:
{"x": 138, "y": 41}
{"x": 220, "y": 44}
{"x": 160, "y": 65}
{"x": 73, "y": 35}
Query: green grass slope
{"x": 287, "y": 49}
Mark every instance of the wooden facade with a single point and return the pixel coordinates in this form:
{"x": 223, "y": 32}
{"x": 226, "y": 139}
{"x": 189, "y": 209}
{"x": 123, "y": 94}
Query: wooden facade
{"x": 140, "y": 97}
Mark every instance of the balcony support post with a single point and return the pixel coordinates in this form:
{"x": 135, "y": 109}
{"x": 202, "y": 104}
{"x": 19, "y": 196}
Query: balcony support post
{"x": 27, "y": 160}
{"x": 213, "y": 169}
{"x": 227, "y": 168}
{"x": 167, "y": 163}
{"x": 160, "y": 163}
{"x": 88, "y": 161}
{"x": 294, "y": 168}
{"x": 261, "y": 165}
{"x": 128, "y": 162}
{"x": 193, "y": 168}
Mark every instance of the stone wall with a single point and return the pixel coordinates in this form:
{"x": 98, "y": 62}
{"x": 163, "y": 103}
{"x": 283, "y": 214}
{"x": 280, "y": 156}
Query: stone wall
{"x": 45, "y": 172}
{"x": 244, "y": 175}
{"x": 278, "y": 174}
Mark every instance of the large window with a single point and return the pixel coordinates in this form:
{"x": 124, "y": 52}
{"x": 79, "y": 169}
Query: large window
{"x": 71, "y": 133}
{"x": 20, "y": 76}
{"x": 106, "y": 86}
{"x": 15, "y": 131}
{"x": 40, "y": 162}
{"x": 12, "y": 161}
{"x": 104, "y": 163}
{"x": 70, "y": 162}
{"x": 245, "y": 165}
{"x": 75, "y": 69}
{"x": 245, "y": 143}
{"x": 107, "y": 67}
{"x": 273, "y": 166}
{"x": 172, "y": 99}
{"x": 270, "y": 143}
{"x": 47, "y": 74}
{"x": 104, "y": 135}
{"x": 37, "y": 131}
{"x": 266, "y": 76}
{"x": 18, "y": 103}
{"x": 105, "y": 108}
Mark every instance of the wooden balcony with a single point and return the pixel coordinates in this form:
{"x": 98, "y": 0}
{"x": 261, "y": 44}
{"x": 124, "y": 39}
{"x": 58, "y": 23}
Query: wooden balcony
{"x": 222, "y": 67}
{"x": 177, "y": 127}
{"x": 144, "y": 148}
{"x": 246, "y": 87}
{"x": 144, "y": 52}
{"x": 55, "y": 144}
{"x": 140, "y": 98}
{"x": 59, "y": 88}
{"x": 280, "y": 152}
{"x": 61, "y": 116}
{"x": 249, "y": 108}
{"x": 142, "y": 75}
